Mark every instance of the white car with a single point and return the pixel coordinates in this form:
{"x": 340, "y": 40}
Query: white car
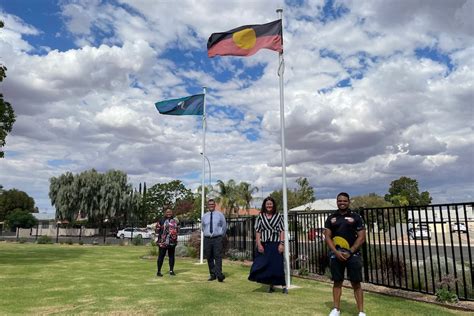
{"x": 133, "y": 232}
{"x": 420, "y": 233}
{"x": 185, "y": 233}
{"x": 458, "y": 227}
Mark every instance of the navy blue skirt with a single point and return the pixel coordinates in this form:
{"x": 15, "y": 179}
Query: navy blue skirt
{"x": 268, "y": 268}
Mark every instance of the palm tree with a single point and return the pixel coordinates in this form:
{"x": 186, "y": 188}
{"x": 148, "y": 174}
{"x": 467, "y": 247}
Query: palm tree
{"x": 227, "y": 196}
{"x": 246, "y": 191}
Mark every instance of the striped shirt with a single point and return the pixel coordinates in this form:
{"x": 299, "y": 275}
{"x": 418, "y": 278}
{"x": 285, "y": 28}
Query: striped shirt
{"x": 269, "y": 229}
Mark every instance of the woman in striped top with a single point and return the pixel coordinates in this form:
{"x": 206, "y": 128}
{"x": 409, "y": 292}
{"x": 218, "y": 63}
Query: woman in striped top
{"x": 267, "y": 267}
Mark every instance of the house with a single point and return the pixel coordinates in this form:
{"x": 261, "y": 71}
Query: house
{"x": 318, "y": 205}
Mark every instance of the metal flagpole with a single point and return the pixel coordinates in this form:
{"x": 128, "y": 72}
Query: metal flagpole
{"x": 281, "y": 70}
{"x": 203, "y": 172}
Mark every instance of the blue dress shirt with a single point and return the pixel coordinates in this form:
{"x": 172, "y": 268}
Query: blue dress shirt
{"x": 219, "y": 225}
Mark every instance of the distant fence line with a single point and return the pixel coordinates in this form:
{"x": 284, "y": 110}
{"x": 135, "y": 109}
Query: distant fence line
{"x": 409, "y": 248}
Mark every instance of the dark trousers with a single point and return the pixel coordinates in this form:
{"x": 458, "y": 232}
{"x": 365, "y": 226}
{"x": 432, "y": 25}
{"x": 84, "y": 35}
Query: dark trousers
{"x": 162, "y": 254}
{"x": 213, "y": 254}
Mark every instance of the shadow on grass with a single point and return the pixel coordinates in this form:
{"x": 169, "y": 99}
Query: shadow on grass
{"x": 41, "y": 255}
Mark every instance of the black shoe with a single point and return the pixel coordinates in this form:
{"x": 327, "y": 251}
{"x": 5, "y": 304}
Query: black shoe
{"x": 285, "y": 290}
{"x": 212, "y": 278}
{"x": 221, "y": 278}
{"x": 158, "y": 274}
{"x": 271, "y": 289}
{"x": 172, "y": 273}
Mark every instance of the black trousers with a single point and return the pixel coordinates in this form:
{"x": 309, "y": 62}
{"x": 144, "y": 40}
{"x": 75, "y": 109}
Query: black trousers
{"x": 162, "y": 254}
{"x": 213, "y": 254}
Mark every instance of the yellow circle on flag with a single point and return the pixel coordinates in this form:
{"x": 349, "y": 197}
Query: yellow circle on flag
{"x": 245, "y": 39}
{"x": 341, "y": 242}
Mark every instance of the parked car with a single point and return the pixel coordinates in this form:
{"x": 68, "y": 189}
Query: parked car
{"x": 458, "y": 227}
{"x": 316, "y": 234}
{"x": 137, "y": 232}
{"x": 419, "y": 233}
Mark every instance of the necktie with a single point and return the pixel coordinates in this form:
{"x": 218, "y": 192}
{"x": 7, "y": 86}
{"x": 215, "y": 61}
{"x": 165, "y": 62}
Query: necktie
{"x": 210, "y": 228}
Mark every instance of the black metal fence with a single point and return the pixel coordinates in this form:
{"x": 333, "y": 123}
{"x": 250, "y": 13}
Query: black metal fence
{"x": 410, "y": 248}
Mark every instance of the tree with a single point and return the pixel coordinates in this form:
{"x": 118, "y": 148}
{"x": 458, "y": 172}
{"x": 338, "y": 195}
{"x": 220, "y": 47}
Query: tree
{"x": 301, "y": 195}
{"x": 14, "y": 199}
{"x": 404, "y": 192}
{"x": 21, "y": 218}
{"x": 245, "y": 192}
{"x": 370, "y": 200}
{"x": 7, "y": 115}
{"x": 170, "y": 194}
{"x": 93, "y": 195}
{"x": 227, "y": 196}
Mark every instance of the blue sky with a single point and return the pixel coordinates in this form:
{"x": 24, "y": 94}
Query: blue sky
{"x": 373, "y": 91}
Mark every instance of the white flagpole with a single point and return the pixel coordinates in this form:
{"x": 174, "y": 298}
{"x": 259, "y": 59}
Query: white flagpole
{"x": 203, "y": 172}
{"x": 281, "y": 70}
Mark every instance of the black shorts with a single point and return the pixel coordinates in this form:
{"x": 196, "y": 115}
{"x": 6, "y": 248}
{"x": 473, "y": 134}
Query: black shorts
{"x": 353, "y": 265}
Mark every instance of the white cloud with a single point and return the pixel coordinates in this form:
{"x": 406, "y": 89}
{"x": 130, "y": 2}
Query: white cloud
{"x": 92, "y": 107}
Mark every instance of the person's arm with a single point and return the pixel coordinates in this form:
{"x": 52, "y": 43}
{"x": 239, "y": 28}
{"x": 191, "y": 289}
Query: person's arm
{"x": 359, "y": 241}
{"x": 339, "y": 255}
{"x": 224, "y": 225}
{"x": 259, "y": 243}
{"x": 202, "y": 222}
{"x": 281, "y": 246}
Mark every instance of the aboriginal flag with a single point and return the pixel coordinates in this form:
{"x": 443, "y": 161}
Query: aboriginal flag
{"x": 246, "y": 40}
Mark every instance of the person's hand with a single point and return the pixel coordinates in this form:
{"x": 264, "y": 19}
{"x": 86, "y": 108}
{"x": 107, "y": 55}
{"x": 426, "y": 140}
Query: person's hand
{"x": 281, "y": 248}
{"x": 260, "y": 248}
{"x": 341, "y": 256}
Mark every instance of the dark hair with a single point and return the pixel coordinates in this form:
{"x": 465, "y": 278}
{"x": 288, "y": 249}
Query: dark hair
{"x": 344, "y": 194}
{"x": 211, "y": 200}
{"x": 264, "y": 209}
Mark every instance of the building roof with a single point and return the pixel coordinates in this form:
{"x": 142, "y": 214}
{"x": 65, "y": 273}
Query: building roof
{"x": 318, "y": 205}
{"x": 44, "y": 216}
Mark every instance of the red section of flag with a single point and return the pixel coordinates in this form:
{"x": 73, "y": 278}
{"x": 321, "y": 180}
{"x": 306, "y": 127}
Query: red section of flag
{"x": 227, "y": 47}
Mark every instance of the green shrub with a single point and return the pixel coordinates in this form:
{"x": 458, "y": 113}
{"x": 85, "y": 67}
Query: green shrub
{"x": 192, "y": 252}
{"x": 44, "y": 240}
{"x": 153, "y": 250}
{"x": 137, "y": 241}
{"x": 69, "y": 241}
{"x": 81, "y": 242}
{"x": 22, "y": 240}
{"x": 445, "y": 295}
{"x": 182, "y": 251}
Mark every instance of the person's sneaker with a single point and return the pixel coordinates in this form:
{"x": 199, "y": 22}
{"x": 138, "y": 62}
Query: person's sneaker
{"x": 335, "y": 312}
{"x": 285, "y": 290}
{"x": 172, "y": 273}
{"x": 158, "y": 274}
{"x": 271, "y": 289}
{"x": 221, "y": 278}
{"x": 362, "y": 314}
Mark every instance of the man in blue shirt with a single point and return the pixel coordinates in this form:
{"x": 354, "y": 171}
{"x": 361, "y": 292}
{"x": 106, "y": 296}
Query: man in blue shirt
{"x": 214, "y": 227}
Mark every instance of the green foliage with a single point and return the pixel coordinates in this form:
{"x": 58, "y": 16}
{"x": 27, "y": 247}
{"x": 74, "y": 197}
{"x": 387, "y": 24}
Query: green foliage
{"x": 22, "y": 240}
{"x": 14, "y": 199}
{"x": 444, "y": 292}
{"x": 404, "y": 192}
{"x": 172, "y": 194}
{"x": 94, "y": 195}
{"x": 7, "y": 115}
{"x": 302, "y": 194}
{"x": 153, "y": 250}
{"x": 81, "y": 242}
{"x": 137, "y": 241}
{"x": 69, "y": 241}
{"x": 228, "y": 196}
{"x": 44, "y": 240}
{"x": 20, "y": 219}
{"x": 370, "y": 200}
{"x": 182, "y": 251}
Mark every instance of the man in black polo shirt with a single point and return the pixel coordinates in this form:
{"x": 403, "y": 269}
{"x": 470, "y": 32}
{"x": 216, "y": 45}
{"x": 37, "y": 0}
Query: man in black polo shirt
{"x": 345, "y": 233}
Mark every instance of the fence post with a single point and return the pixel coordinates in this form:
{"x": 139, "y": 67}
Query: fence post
{"x": 252, "y": 227}
{"x": 364, "y": 249}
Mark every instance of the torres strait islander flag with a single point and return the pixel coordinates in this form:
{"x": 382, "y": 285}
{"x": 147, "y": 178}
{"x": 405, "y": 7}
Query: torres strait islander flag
{"x": 246, "y": 40}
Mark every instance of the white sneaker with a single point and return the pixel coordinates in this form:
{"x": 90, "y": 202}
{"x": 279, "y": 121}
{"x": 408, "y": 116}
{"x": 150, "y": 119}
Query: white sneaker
{"x": 362, "y": 314}
{"x": 335, "y": 312}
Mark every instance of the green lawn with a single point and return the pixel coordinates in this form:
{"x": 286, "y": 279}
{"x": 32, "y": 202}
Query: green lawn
{"x": 64, "y": 279}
